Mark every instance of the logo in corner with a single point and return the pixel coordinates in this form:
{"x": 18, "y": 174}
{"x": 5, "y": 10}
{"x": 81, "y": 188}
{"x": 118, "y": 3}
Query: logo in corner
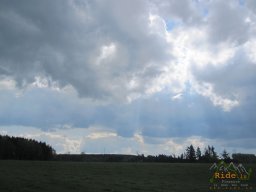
{"x": 225, "y": 176}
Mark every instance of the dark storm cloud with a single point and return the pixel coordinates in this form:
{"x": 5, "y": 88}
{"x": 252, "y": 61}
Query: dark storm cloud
{"x": 64, "y": 40}
{"x": 227, "y": 22}
{"x": 114, "y": 64}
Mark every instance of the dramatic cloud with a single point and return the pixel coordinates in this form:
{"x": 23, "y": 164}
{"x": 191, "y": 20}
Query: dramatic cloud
{"x": 147, "y": 75}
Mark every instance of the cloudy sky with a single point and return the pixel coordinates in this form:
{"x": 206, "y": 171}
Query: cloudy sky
{"x": 137, "y": 76}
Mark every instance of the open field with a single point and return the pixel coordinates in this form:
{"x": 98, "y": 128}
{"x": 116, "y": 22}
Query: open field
{"x": 95, "y": 177}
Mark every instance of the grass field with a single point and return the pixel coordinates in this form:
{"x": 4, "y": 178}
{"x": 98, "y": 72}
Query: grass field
{"x": 96, "y": 177}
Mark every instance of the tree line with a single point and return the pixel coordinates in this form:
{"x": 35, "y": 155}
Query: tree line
{"x": 28, "y": 149}
{"x": 24, "y": 149}
{"x": 208, "y": 155}
{"x": 191, "y": 155}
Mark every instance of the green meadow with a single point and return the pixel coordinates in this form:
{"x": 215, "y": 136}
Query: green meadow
{"x": 42, "y": 176}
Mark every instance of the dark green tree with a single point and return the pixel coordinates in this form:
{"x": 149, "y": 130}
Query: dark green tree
{"x": 198, "y": 153}
{"x": 25, "y": 149}
{"x": 209, "y": 154}
{"x": 225, "y": 156}
{"x": 244, "y": 158}
{"x": 190, "y": 153}
{"x": 214, "y": 155}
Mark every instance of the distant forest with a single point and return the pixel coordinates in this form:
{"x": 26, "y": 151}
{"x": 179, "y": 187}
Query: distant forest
{"x": 18, "y": 148}
{"x": 24, "y": 149}
{"x": 191, "y": 155}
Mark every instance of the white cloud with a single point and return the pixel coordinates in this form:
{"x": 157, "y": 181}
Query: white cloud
{"x": 7, "y": 84}
{"x": 178, "y": 96}
{"x": 107, "y": 51}
{"x": 98, "y": 135}
{"x": 104, "y": 140}
{"x": 250, "y": 47}
{"x": 207, "y": 90}
{"x": 142, "y": 68}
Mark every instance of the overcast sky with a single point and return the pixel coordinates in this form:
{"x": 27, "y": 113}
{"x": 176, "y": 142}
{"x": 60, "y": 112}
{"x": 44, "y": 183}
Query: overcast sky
{"x": 135, "y": 76}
